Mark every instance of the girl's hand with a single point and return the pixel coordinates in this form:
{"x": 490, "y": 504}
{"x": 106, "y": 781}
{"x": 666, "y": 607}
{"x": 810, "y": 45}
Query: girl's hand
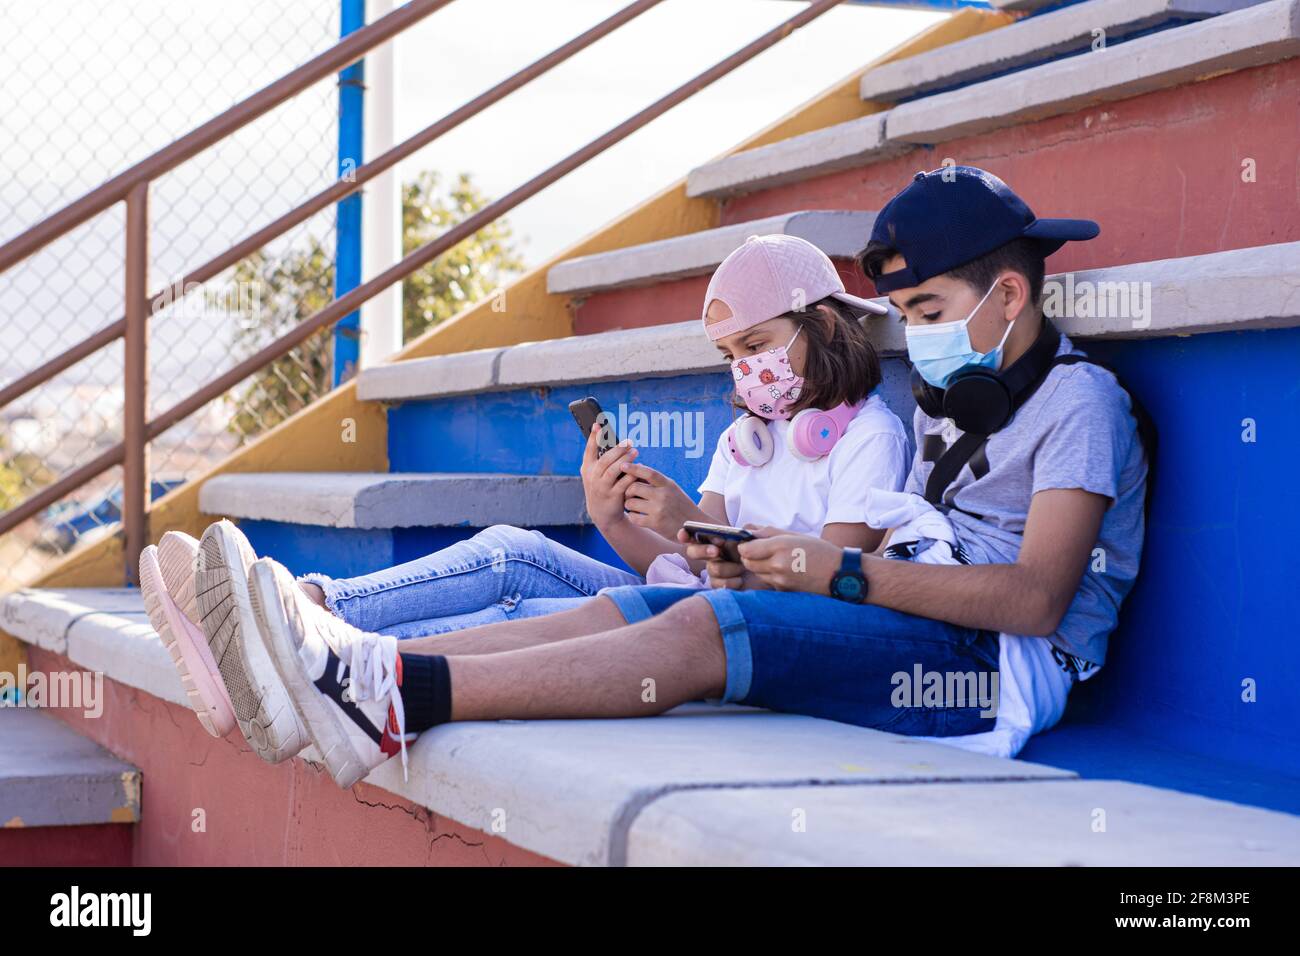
{"x": 791, "y": 562}
{"x": 603, "y": 482}
{"x": 723, "y": 571}
{"x": 656, "y": 502}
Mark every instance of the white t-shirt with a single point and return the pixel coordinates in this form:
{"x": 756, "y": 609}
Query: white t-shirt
{"x": 1034, "y": 678}
{"x": 803, "y": 496}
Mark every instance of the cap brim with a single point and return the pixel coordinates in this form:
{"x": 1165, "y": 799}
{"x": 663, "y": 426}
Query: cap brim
{"x": 1064, "y": 230}
{"x": 862, "y": 305}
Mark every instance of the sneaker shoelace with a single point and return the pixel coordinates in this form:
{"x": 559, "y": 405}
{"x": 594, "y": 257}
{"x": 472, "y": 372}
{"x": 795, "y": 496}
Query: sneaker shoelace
{"x": 371, "y": 660}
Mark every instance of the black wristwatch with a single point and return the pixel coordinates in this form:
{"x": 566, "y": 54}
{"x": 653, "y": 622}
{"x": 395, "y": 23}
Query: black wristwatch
{"x": 849, "y": 583}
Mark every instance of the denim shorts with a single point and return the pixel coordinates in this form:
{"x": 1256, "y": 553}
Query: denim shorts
{"x": 855, "y": 663}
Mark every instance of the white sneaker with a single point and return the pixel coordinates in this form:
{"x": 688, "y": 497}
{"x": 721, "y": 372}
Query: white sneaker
{"x": 344, "y": 682}
{"x": 262, "y": 708}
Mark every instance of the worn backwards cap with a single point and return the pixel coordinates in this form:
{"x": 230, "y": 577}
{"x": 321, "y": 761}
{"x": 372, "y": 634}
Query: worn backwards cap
{"x": 953, "y": 215}
{"x": 770, "y": 276}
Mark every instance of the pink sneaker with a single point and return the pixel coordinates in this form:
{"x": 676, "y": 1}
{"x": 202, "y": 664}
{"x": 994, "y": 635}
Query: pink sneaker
{"x": 180, "y": 634}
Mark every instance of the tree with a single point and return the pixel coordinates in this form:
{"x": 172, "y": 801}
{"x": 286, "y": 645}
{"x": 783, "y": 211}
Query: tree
{"x": 273, "y": 293}
{"x": 20, "y": 472}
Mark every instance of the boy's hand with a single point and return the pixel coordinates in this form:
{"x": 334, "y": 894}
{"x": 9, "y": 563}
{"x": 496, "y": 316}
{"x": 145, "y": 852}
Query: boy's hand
{"x": 603, "y": 482}
{"x": 724, "y": 572}
{"x": 785, "y": 561}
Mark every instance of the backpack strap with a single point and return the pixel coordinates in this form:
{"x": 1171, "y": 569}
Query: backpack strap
{"x": 951, "y": 462}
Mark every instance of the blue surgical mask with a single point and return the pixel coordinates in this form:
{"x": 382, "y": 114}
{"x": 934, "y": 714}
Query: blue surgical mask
{"x": 940, "y": 351}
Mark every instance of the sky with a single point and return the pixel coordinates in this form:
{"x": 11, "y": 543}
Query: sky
{"x": 89, "y": 86}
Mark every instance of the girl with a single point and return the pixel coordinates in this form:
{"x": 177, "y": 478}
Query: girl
{"x": 816, "y": 437}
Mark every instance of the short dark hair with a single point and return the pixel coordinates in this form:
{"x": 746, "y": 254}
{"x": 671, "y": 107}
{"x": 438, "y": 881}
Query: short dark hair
{"x": 1022, "y": 255}
{"x": 840, "y": 363}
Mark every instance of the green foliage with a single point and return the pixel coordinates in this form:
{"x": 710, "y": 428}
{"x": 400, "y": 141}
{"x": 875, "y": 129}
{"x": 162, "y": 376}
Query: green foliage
{"x": 20, "y": 473}
{"x": 274, "y": 292}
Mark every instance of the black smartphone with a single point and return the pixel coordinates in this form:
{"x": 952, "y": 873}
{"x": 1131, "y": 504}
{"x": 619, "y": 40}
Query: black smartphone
{"x": 724, "y": 536}
{"x": 587, "y": 412}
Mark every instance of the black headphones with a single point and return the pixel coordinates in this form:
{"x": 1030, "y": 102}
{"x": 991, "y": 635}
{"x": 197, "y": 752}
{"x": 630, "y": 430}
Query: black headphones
{"x": 981, "y": 400}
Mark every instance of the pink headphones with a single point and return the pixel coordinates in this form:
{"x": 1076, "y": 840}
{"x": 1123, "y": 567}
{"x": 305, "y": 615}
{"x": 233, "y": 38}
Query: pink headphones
{"x": 812, "y": 435}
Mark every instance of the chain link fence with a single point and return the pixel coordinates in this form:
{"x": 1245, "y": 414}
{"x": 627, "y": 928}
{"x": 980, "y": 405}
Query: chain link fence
{"x": 87, "y": 88}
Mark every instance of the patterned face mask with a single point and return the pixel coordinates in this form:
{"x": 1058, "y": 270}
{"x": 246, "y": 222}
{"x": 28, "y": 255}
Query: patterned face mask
{"x": 766, "y": 382}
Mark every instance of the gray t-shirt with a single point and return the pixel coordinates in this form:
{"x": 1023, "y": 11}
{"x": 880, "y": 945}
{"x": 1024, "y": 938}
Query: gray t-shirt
{"x": 1076, "y": 431}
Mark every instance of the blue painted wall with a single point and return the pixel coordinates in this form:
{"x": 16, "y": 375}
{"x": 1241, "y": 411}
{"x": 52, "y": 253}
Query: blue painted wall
{"x": 531, "y": 432}
{"x": 1217, "y": 601}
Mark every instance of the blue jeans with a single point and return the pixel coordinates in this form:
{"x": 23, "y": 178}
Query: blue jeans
{"x": 855, "y": 663}
{"x": 501, "y": 574}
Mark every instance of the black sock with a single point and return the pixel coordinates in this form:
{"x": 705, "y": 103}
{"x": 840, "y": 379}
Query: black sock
{"x": 426, "y": 691}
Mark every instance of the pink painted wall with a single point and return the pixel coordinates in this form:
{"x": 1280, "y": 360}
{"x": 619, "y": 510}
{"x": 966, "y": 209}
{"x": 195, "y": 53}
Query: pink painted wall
{"x": 1162, "y": 173}
{"x": 107, "y": 844}
{"x": 291, "y": 814}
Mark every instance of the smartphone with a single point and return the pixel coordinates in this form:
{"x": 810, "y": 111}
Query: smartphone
{"x": 587, "y": 412}
{"x": 724, "y": 536}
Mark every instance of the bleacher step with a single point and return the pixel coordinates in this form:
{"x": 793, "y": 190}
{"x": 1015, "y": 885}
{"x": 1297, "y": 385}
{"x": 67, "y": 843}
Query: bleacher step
{"x": 1032, "y": 41}
{"x": 1259, "y": 34}
{"x": 1252, "y": 37}
{"x": 51, "y": 776}
{"x": 101, "y": 629}
{"x": 837, "y": 233}
{"x": 1030, "y": 823}
{"x": 704, "y": 784}
{"x": 1222, "y": 291}
{"x": 396, "y": 500}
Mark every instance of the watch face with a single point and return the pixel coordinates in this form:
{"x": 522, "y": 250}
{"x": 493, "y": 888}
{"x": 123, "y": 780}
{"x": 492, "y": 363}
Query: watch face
{"x": 848, "y": 586}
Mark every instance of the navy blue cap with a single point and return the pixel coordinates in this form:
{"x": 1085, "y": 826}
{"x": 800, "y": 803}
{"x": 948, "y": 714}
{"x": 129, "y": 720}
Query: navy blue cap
{"x": 950, "y": 216}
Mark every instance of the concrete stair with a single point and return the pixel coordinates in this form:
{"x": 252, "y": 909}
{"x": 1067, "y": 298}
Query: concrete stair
{"x": 657, "y": 282}
{"x": 720, "y": 785}
{"x": 1052, "y": 35}
{"x": 64, "y": 800}
{"x": 1240, "y": 39}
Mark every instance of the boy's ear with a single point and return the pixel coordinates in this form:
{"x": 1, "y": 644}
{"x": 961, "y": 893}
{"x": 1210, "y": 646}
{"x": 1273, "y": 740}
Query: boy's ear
{"x": 1016, "y": 290}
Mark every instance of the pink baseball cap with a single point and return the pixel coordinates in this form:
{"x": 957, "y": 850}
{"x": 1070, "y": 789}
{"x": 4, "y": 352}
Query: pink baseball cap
{"x": 770, "y": 276}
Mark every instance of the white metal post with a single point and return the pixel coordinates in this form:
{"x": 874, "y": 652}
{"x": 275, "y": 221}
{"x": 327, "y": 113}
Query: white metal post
{"x": 381, "y": 317}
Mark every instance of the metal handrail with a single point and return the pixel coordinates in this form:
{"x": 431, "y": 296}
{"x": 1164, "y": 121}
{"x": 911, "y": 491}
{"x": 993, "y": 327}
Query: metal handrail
{"x": 132, "y": 451}
{"x": 326, "y": 197}
{"x": 341, "y": 55}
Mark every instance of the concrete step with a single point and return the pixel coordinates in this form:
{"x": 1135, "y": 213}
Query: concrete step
{"x": 841, "y": 146}
{"x": 1029, "y": 823}
{"x": 1035, "y": 40}
{"x": 838, "y": 234}
{"x": 51, "y": 776}
{"x": 345, "y": 524}
{"x": 101, "y": 629}
{"x": 1260, "y": 34}
{"x": 1223, "y": 291}
{"x": 662, "y": 282}
{"x": 723, "y": 785}
{"x": 395, "y": 500}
